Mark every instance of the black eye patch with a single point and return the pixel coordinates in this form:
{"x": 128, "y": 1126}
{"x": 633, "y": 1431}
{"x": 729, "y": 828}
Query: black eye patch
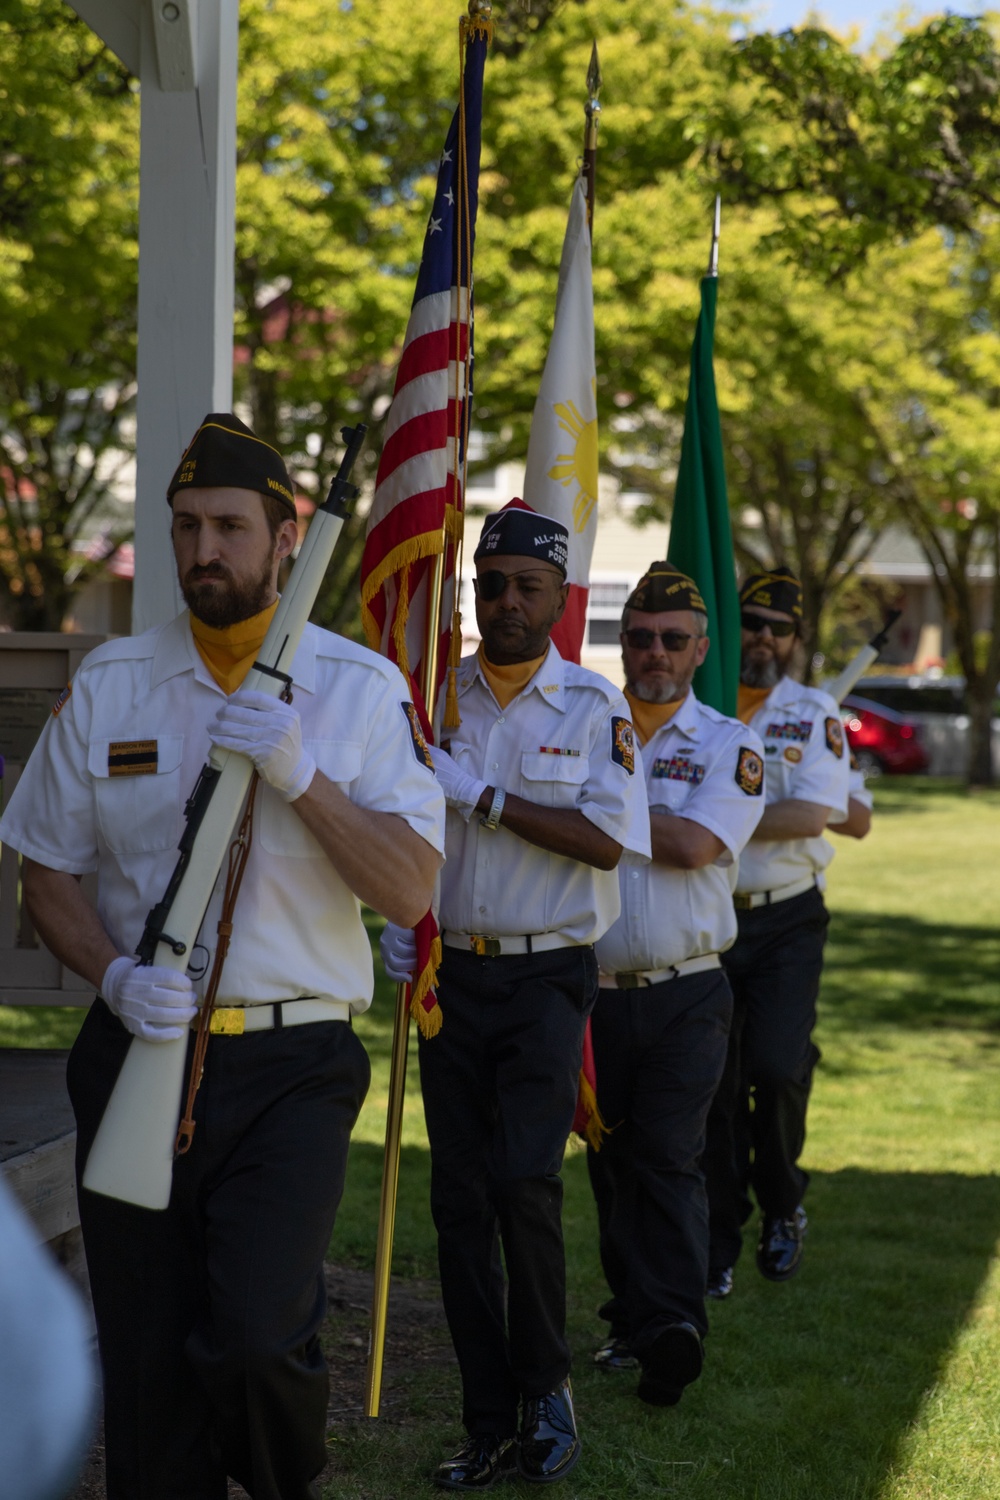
{"x": 491, "y": 584}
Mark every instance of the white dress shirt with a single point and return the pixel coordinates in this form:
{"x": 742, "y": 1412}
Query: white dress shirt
{"x": 149, "y": 699}
{"x": 695, "y": 767}
{"x": 565, "y": 741}
{"x": 806, "y": 758}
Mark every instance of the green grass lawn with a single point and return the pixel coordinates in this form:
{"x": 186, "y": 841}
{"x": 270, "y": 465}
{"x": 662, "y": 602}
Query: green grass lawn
{"x": 875, "y": 1374}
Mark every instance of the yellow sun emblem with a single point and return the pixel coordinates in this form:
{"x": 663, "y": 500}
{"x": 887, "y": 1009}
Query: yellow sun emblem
{"x": 580, "y": 466}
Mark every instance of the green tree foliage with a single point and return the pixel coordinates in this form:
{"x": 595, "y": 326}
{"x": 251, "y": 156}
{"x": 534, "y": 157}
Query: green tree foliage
{"x": 68, "y": 198}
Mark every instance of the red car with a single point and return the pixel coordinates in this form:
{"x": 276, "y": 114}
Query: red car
{"x": 883, "y": 741}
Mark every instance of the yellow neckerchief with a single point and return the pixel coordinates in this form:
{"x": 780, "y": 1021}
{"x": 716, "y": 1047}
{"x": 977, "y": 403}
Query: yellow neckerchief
{"x": 647, "y": 718}
{"x": 507, "y": 682}
{"x": 231, "y": 652}
{"x": 749, "y": 700}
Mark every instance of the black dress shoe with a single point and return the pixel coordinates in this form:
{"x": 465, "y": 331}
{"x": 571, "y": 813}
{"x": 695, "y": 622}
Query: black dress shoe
{"x": 720, "y": 1283}
{"x": 480, "y": 1462}
{"x": 615, "y": 1355}
{"x": 549, "y": 1446}
{"x": 779, "y": 1249}
{"x": 671, "y": 1362}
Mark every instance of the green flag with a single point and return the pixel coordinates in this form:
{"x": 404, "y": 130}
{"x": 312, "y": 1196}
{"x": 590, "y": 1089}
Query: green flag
{"x": 701, "y": 539}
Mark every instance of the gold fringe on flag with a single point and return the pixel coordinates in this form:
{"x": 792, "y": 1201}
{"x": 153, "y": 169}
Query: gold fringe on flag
{"x": 595, "y": 1129}
{"x": 428, "y": 1021}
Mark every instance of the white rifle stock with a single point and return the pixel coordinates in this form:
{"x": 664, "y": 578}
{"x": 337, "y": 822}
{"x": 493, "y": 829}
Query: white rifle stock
{"x": 858, "y": 665}
{"x": 133, "y": 1151}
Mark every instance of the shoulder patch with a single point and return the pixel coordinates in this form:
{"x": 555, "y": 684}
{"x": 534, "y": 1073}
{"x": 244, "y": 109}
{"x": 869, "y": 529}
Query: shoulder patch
{"x": 750, "y": 772}
{"x": 623, "y": 744}
{"x": 62, "y": 700}
{"x": 835, "y": 737}
{"x": 420, "y": 749}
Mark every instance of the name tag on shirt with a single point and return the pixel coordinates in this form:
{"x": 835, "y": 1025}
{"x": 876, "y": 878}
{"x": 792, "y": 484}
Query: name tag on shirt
{"x": 132, "y": 758}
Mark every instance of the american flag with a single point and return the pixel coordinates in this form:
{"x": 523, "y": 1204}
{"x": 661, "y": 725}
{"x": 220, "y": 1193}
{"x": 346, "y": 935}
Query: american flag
{"x": 418, "y": 506}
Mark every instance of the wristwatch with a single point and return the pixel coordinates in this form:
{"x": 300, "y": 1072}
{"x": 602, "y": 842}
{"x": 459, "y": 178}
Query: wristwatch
{"x": 491, "y": 819}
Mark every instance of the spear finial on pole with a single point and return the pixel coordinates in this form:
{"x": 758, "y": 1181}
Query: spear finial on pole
{"x": 592, "y": 110}
{"x": 713, "y": 258}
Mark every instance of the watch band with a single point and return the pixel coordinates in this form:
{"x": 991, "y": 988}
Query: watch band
{"x": 492, "y": 818}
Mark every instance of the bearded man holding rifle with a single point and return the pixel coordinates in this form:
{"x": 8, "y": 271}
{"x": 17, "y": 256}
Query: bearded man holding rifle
{"x": 208, "y": 1312}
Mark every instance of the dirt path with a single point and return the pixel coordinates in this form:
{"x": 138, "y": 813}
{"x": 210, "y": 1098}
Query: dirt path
{"x": 417, "y": 1341}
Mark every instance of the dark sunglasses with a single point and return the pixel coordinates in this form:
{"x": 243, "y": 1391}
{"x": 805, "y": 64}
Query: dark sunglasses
{"x": 673, "y": 640}
{"x": 757, "y": 623}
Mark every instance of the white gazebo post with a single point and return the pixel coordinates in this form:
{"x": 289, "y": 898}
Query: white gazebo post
{"x": 184, "y": 54}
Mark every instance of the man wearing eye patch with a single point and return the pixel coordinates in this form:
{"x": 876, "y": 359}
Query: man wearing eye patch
{"x": 661, "y": 1022}
{"x": 775, "y": 964}
{"x": 542, "y": 799}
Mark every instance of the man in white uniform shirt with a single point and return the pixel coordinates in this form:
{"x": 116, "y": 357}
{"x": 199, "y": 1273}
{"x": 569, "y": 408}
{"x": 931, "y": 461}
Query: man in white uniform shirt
{"x": 208, "y": 1314}
{"x": 775, "y": 965}
{"x": 542, "y": 799}
{"x": 661, "y": 1023}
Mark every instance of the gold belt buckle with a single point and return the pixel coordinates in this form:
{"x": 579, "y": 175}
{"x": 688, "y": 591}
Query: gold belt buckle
{"x": 742, "y": 903}
{"x": 485, "y": 947}
{"x": 628, "y": 981}
{"x": 227, "y": 1021}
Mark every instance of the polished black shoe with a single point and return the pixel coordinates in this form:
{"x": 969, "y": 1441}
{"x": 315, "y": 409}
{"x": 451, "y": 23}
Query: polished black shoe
{"x": 478, "y": 1464}
{"x": 549, "y": 1446}
{"x": 779, "y": 1249}
{"x": 615, "y": 1355}
{"x": 720, "y": 1283}
{"x": 671, "y": 1362}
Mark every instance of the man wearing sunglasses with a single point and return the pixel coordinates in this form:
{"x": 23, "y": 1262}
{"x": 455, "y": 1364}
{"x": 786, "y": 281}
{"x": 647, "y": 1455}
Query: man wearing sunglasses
{"x": 775, "y": 964}
{"x": 542, "y": 799}
{"x": 661, "y": 1022}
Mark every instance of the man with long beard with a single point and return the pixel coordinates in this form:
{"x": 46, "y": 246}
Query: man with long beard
{"x": 662, "y": 1017}
{"x": 775, "y": 964}
{"x": 208, "y": 1313}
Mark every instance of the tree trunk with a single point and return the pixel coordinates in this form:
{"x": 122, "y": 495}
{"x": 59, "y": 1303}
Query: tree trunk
{"x": 980, "y": 760}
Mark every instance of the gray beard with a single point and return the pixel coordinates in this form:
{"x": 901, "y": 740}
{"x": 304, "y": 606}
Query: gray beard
{"x": 666, "y": 694}
{"x": 767, "y": 675}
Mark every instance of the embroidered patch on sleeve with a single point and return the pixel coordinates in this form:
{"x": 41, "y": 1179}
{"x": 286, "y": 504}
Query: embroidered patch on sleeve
{"x": 132, "y": 758}
{"x": 62, "y": 700}
{"x": 622, "y": 744}
{"x": 420, "y": 749}
{"x": 750, "y": 772}
{"x": 835, "y": 737}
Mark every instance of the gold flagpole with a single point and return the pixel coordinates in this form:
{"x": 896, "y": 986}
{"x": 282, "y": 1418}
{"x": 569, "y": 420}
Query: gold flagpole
{"x": 480, "y": 14}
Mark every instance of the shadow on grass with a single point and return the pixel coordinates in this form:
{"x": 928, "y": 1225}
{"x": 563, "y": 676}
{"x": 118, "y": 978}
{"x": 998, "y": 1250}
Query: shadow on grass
{"x": 810, "y": 1388}
{"x": 902, "y": 971}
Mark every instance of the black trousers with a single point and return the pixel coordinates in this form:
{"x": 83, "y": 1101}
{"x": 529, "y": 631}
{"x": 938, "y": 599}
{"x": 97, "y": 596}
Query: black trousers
{"x": 208, "y": 1313}
{"x": 757, "y": 1124}
{"x": 500, "y": 1085}
{"x": 659, "y": 1054}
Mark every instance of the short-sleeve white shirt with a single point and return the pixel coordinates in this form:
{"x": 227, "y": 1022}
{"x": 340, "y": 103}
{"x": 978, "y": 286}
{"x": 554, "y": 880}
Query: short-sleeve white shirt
{"x": 298, "y": 928}
{"x": 806, "y": 758}
{"x": 565, "y": 741}
{"x": 698, "y": 766}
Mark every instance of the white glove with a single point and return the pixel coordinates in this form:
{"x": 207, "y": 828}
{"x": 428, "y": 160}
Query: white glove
{"x": 153, "y": 1002}
{"x": 461, "y": 790}
{"x": 269, "y": 733}
{"x": 398, "y": 947}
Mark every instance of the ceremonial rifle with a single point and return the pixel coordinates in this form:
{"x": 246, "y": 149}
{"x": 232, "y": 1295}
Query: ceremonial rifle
{"x": 133, "y": 1151}
{"x": 858, "y": 665}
